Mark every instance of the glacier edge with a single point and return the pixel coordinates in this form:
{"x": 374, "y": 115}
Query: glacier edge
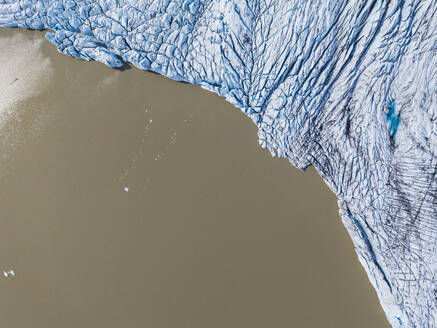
{"x": 347, "y": 86}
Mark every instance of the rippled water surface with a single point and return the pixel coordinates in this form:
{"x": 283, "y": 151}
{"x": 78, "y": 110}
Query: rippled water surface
{"x": 129, "y": 200}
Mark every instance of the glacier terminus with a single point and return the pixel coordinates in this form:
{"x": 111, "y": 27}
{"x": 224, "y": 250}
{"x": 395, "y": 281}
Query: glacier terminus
{"x": 349, "y": 87}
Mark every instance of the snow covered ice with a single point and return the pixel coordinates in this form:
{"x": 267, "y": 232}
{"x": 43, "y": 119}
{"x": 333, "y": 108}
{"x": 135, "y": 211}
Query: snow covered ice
{"x": 347, "y": 86}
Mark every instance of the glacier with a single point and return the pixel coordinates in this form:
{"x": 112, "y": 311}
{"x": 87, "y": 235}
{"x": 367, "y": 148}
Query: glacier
{"x": 349, "y": 87}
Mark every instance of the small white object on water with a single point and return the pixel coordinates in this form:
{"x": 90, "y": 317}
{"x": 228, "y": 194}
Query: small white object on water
{"x": 10, "y": 273}
{"x": 126, "y": 189}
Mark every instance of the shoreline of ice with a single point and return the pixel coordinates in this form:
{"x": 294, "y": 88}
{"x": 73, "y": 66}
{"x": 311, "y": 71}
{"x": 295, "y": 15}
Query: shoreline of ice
{"x": 347, "y": 86}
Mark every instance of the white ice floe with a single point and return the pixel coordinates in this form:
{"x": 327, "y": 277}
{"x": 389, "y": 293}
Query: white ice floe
{"x": 9, "y": 274}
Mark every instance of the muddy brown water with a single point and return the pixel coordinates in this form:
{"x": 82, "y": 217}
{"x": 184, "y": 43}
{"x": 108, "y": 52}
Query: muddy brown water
{"x": 130, "y": 200}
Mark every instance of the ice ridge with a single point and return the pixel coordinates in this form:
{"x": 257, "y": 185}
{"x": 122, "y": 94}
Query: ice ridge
{"x": 347, "y": 86}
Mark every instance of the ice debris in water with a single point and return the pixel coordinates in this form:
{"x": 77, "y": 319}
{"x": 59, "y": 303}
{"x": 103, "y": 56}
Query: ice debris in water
{"x": 349, "y": 86}
{"x": 9, "y": 274}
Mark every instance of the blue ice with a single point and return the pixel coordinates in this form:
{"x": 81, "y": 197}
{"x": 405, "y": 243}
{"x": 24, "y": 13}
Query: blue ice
{"x": 314, "y": 77}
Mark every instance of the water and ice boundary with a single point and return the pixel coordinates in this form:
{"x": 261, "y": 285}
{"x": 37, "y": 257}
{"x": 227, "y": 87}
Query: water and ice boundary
{"x": 347, "y": 86}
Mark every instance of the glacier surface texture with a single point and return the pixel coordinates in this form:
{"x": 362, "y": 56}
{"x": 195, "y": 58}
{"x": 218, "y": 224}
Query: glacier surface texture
{"x": 347, "y": 86}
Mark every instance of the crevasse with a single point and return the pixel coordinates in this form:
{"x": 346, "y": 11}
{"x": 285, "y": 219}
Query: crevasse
{"x": 347, "y": 86}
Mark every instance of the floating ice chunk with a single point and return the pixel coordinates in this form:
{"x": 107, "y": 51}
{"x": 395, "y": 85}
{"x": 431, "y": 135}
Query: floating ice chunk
{"x": 9, "y": 274}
